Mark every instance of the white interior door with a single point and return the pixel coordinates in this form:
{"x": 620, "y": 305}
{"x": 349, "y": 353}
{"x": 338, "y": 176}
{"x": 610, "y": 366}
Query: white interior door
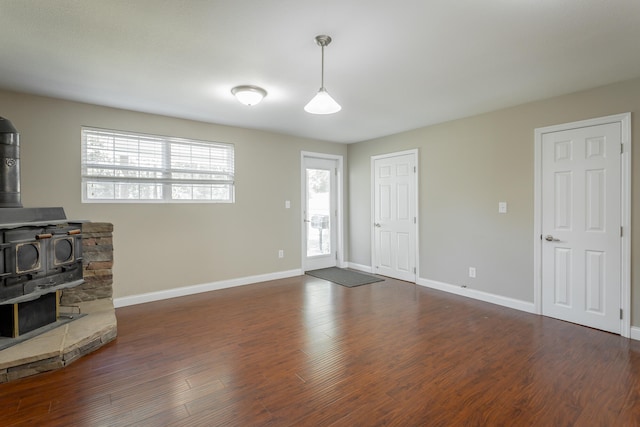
{"x": 395, "y": 215}
{"x": 581, "y": 226}
{"x": 320, "y": 213}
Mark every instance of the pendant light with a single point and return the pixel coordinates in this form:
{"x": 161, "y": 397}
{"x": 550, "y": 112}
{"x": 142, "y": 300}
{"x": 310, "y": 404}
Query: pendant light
{"x": 249, "y": 95}
{"x": 322, "y": 103}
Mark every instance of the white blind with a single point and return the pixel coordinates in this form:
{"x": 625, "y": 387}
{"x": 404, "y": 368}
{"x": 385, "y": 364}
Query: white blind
{"x": 125, "y": 166}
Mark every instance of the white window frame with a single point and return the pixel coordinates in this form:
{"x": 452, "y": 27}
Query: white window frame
{"x": 195, "y": 163}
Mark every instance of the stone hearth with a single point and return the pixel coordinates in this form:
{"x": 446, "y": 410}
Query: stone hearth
{"x": 58, "y": 347}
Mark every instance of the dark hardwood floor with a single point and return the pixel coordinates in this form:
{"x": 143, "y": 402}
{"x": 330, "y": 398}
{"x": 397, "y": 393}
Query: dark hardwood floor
{"x": 305, "y": 352}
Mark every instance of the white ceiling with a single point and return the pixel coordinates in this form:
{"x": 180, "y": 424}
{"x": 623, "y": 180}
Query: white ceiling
{"x": 392, "y": 65}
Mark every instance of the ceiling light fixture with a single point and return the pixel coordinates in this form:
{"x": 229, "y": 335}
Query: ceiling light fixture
{"x": 249, "y": 95}
{"x": 322, "y": 103}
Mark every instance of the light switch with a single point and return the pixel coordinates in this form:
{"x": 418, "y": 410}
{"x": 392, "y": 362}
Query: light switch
{"x": 287, "y": 204}
{"x": 502, "y": 207}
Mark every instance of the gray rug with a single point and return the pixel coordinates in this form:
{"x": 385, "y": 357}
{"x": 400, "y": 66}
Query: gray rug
{"x": 344, "y": 277}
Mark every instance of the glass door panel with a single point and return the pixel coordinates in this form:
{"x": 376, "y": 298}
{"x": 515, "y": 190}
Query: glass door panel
{"x": 318, "y": 212}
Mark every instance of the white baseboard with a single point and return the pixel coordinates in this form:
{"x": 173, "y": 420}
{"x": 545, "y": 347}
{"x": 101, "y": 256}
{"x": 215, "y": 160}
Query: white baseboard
{"x": 479, "y": 295}
{"x": 496, "y": 299}
{"x": 223, "y": 284}
{"x": 205, "y": 287}
{"x": 360, "y": 267}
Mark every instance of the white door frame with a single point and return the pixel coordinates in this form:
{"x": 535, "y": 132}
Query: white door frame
{"x": 625, "y": 209}
{"x": 339, "y": 205}
{"x": 417, "y": 191}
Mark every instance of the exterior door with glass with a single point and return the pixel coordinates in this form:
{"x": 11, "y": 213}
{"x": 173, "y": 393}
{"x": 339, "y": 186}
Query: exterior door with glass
{"x": 320, "y": 213}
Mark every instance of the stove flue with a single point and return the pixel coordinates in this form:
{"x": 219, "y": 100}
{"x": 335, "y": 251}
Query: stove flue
{"x": 9, "y": 166}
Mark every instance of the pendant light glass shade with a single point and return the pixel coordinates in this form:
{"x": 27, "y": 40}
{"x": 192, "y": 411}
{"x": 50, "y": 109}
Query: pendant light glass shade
{"x": 249, "y": 95}
{"x": 322, "y": 103}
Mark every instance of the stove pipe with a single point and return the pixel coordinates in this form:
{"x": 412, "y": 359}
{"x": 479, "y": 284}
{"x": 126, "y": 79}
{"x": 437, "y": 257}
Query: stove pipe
{"x": 9, "y": 165}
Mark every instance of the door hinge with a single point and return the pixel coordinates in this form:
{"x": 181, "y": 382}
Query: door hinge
{"x": 414, "y": 169}
{"x": 621, "y": 148}
{"x": 414, "y": 270}
{"x": 621, "y": 314}
{"x": 620, "y": 231}
{"x": 414, "y": 220}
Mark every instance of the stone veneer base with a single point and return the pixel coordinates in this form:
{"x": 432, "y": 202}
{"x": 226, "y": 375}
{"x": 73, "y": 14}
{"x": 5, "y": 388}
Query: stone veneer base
{"x": 61, "y": 346}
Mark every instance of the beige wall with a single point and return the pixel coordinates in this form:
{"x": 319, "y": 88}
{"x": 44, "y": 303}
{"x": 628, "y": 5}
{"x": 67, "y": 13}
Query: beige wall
{"x": 466, "y": 167}
{"x": 166, "y": 246}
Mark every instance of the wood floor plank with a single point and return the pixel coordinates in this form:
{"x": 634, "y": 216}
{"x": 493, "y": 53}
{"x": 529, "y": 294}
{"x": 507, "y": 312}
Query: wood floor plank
{"x": 302, "y": 351}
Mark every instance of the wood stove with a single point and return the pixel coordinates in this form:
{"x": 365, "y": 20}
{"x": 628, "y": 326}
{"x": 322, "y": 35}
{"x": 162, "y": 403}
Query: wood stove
{"x": 40, "y": 250}
{"x": 38, "y": 257}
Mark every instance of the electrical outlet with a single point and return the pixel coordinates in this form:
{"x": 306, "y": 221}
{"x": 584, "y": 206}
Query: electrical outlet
{"x": 280, "y": 253}
{"x": 472, "y": 272}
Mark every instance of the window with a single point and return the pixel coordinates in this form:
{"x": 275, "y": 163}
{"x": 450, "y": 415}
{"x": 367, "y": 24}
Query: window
{"x": 130, "y": 167}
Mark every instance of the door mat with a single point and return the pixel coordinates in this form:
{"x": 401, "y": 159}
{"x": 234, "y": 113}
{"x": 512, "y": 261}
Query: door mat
{"x": 344, "y": 277}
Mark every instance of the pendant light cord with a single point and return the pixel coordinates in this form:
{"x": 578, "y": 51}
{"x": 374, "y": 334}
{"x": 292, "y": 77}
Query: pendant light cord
{"x": 322, "y": 73}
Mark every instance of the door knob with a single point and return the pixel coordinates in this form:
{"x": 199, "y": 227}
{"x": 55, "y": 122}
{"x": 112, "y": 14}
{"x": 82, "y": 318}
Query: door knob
{"x": 377, "y": 224}
{"x": 550, "y": 238}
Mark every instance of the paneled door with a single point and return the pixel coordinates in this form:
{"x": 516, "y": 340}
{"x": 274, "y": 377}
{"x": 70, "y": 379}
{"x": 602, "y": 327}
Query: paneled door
{"x": 395, "y": 215}
{"x": 581, "y": 226}
{"x": 320, "y": 213}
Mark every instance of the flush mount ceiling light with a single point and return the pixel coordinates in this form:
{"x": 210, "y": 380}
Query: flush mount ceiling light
{"x": 249, "y": 95}
{"x": 322, "y": 103}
